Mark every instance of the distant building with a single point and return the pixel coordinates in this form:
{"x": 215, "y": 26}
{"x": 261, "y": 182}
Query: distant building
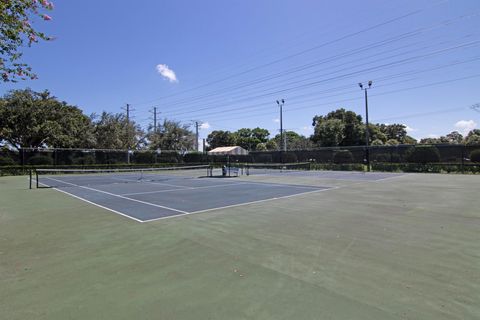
{"x": 228, "y": 150}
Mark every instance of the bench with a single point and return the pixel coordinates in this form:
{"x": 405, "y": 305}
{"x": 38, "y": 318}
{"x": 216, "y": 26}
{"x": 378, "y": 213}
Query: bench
{"x": 229, "y": 171}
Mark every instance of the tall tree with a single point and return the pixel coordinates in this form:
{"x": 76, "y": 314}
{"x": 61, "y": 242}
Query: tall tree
{"x": 220, "y": 138}
{"x": 33, "y": 119}
{"x": 394, "y": 131}
{"x": 295, "y": 141}
{"x": 172, "y": 135}
{"x": 339, "y": 127}
{"x": 250, "y": 138}
{"x": 16, "y": 32}
{"x": 113, "y": 131}
{"x": 473, "y": 137}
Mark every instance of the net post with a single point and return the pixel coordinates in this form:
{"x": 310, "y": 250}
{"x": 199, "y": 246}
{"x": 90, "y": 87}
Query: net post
{"x": 30, "y": 180}
{"x": 36, "y": 178}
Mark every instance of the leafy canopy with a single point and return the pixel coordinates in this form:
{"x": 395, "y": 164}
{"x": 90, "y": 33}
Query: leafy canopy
{"x": 16, "y": 32}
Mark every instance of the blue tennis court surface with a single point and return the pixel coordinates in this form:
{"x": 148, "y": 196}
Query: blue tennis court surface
{"x": 147, "y": 200}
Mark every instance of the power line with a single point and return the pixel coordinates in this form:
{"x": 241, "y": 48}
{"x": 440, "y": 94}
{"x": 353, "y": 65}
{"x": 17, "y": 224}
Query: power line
{"x": 256, "y": 68}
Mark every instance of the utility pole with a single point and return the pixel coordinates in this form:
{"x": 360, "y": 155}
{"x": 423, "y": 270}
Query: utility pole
{"x": 155, "y": 119}
{"x": 128, "y": 110}
{"x": 367, "y": 131}
{"x": 197, "y": 124}
{"x": 282, "y": 144}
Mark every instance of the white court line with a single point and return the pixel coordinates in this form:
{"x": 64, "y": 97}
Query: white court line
{"x": 243, "y": 204}
{"x": 122, "y": 197}
{"x": 95, "y": 204}
{"x": 151, "y": 182}
{"x": 178, "y": 189}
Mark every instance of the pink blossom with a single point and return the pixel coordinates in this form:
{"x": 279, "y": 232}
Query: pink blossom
{"x": 46, "y": 17}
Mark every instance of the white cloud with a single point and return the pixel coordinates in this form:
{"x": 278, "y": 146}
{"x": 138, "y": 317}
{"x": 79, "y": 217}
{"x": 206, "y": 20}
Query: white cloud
{"x": 465, "y": 126}
{"x": 276, "y": 120}
{"x": 307, "y": 129}
{"x": 409, "y": 129}
{"x": 167, "y": 73}
{"x": 205, "y": 125}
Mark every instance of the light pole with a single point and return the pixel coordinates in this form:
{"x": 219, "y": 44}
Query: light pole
{"x": 367, "y": 133}
{"x": 280, "y": 104}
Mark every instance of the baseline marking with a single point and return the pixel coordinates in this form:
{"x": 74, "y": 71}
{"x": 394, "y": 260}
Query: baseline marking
{"x": 243, "y": 204}
{"x": 93, "y": 203}
{"x": 122, "y": 197}
{"x": 179, "y": 189}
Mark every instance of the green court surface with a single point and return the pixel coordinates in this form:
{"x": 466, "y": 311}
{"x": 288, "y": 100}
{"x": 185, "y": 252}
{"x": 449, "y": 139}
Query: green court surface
{"x": 401, "y": 248}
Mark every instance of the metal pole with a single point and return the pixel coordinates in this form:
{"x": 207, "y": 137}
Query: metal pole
{"x": 155, "y": 120}
{"x": 196, "y": 135}
{"x": 281, "y": 126}
{"x": 128, "y": 133}
{"x": 367, "y": 131}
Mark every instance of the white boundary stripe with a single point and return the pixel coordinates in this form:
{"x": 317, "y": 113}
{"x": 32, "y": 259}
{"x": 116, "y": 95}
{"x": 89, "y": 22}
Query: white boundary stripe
{"x": 93, "y": 203}
{"x": 244, "y": 204}
{"x": 179, "y": 189}
{"x": 122, "y": 197}
{"x": 151, "y": 182}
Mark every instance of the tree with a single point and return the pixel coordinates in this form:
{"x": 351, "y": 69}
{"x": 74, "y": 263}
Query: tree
{"x": 172, "y": 135}
{"x": 113, "y": 131}
{"x": 339, "y": 127}
{"x": 220, "y": 138}
{"x": 250, "y": 138}
{"x": 271, "y": 145}
{"x": 392, "y": 142}
{"x": 329, "y": 133}
{"x": 454, "y": 137}
{"x": 33, "y": 119}
{"x": 16, "y": 31}
{"x": 394, "y": 131}
{"x": 295, "y": 141}
{"x": 473, "y": 137}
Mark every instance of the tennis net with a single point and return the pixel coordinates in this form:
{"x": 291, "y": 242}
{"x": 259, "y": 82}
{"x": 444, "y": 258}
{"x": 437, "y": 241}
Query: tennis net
{"x": 56, "y": 178}
{"x": 274, "y": 168}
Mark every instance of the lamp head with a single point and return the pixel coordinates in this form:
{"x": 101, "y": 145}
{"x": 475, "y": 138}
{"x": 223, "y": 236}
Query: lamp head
{"x": 369, "y": 83}
{"x": 283, "y": 100}
{"x": 278, "y": 102}
{"x": 360, "y": 85}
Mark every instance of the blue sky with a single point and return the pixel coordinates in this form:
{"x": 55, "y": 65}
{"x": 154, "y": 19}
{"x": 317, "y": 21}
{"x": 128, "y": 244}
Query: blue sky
{"x": 233, "y": 59}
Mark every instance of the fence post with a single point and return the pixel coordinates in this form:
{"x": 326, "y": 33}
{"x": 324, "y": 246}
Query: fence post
{"x": 462, "y": 147}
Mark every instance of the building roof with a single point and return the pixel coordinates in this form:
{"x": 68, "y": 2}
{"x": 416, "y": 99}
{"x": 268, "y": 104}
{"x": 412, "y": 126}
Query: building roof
{"x": 225, "y": 149}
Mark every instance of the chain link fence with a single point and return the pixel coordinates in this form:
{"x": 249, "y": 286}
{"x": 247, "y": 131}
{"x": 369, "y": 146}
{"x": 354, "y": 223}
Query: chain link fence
{"x": 421, "y": 158}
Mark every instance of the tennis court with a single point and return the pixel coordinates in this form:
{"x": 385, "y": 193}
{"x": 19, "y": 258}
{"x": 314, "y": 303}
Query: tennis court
{"x": 152, "y": 194}
{"x": 263, "y": 246}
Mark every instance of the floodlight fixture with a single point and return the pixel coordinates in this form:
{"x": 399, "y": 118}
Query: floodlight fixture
{"x": 360, "y": 85}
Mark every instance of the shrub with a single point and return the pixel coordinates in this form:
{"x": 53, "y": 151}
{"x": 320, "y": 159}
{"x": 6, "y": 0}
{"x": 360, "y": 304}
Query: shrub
{"x": 423, "y": 154}
{"x": 475, "y": 156}
{"x": 343, "y": 156}
{"x": 6, "y": 161}
{"x": 39, "y": 159}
